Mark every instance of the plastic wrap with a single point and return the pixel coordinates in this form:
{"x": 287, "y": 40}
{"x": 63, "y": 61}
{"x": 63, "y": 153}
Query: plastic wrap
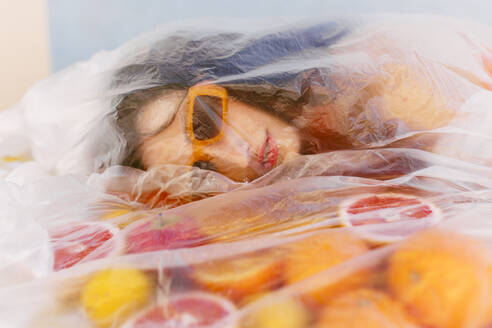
{"x": 329, "y": 173}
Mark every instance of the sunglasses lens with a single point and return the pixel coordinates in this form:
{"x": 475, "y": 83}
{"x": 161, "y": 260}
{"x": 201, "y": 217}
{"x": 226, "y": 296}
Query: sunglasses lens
{"x": 207, "y": 117}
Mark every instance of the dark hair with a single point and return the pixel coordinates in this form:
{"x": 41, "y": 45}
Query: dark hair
{"x": 234, "y": 60}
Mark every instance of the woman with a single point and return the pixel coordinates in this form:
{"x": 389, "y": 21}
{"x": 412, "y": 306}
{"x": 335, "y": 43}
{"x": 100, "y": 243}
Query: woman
{"x": 212, "y": 109}
{"x": 243, "y": 104}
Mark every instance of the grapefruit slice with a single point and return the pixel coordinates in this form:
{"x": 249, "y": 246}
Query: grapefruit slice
{"x": 193, "y": 309}
{"x": 240, "y": 276}
{"x": 162, "y": 233}
{"x": 388, "y": 217}
{"x": 78, "y": 242}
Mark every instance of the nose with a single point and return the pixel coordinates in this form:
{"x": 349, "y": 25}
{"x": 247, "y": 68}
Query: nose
{"x": 232, "y": 155}
{"x": 233, "y": 147}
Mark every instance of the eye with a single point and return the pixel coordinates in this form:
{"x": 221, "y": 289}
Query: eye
{"x": 207, "y": 117}
{"x": 204, "y": 165}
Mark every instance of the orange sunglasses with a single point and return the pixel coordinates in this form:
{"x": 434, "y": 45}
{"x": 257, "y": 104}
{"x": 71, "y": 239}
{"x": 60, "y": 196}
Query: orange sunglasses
{"x": 206, "y": 112}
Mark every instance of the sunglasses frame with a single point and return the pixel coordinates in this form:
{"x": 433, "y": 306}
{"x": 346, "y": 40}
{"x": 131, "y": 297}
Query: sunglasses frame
{"x": 204, "y": 90}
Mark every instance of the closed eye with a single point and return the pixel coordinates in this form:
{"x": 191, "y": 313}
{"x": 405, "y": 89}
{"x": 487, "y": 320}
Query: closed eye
{"x": 205, "y": 165}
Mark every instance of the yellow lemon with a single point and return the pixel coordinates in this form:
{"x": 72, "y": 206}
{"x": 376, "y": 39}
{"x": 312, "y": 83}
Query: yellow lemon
{"x": 115, "y": 213}
{"x": 285, "y": 313}
{"x": 111, "y": 295}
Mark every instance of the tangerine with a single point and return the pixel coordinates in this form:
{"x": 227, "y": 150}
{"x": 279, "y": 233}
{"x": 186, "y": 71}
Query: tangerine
{"x": 320, "y": 252}
{"x": 364, "y": 308}
{"x": 443, "y": 279}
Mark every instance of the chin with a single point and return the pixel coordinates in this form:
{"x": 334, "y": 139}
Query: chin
{"x": 245, "y": 174}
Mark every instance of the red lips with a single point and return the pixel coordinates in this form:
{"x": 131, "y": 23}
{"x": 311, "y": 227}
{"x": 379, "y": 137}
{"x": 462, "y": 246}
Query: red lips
{"x": 268, "y": 153}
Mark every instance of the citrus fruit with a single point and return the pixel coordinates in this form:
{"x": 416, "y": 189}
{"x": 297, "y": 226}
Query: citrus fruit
{"x": 443, "y": 279}
{"x": 281, "y": 312}
{"x": 239, "y": 276}
{"x": 406, "y": 96}
{"x": 162, "y": 233}
{"x": 111, "y": 295}
{"x": 193, "y": 309}
{"x": 364, "y": 308}
{"x": 78, "y": 242}
{"x": 320, "y": 252}
{"x": 122, "y": 216}
{"x": 115, "y": 213}
{"x": 388, "y": 217}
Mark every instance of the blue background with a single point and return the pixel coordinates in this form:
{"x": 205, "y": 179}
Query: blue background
{"x": 79, "y": 28}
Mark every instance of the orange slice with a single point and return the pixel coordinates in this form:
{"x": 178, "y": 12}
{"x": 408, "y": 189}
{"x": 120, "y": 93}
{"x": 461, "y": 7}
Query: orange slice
{"x": 239, "y": 276}
{"x": 388, "y": 217}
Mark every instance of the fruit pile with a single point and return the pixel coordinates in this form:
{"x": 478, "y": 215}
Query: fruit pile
{"x": 435, "y": 278}
{"x": 381, "y": 262}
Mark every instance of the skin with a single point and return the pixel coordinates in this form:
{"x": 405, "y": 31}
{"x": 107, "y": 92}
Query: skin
{"x": 237, "y": 155}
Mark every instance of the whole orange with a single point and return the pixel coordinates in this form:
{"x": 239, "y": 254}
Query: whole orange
{"x": 443, "y": 279}
{"x": 320, "y": 252}
{"x": 364, "y": 308}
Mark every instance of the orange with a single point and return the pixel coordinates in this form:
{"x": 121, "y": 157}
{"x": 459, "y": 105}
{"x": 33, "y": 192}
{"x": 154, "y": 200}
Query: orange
{"x": 364, "y": 308}
{"x": 443, "y": 279}
{"x": 239, "y": 276}
{"x": 405, "y": 95}
{"x": 320, "y": 252}
{"x": 281, "y": 312}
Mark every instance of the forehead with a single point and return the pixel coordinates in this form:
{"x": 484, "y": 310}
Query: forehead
{"x": 159, "y": 112}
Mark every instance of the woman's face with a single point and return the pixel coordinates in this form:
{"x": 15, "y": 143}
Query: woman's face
{"x": 253, "y": 141}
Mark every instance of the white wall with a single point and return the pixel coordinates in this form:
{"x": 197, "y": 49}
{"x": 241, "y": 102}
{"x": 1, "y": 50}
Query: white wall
{"x": 24, "y": 51}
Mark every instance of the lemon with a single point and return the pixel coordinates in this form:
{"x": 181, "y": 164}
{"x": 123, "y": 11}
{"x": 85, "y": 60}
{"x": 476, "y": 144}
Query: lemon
{"x": 111, "y": 295}
{"x": 285, "y": 313}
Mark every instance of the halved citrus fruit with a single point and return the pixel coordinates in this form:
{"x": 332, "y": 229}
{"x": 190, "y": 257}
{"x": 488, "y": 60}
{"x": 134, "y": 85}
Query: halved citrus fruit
{"x": 320, "y": 252}
{"x": 73, "y": 243}
{"x": 388, "y": 217}
{"x": 121, "y": 215}
{"x": 443, "y": 279}
{"x": 187, "y": 310}
{"x": 162, "y": 233}
{"x": 364, "y": 308}
{"x": 239, "y": 276}
{"x": 110, "y": 296}
{"x": 285, "y": 312}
